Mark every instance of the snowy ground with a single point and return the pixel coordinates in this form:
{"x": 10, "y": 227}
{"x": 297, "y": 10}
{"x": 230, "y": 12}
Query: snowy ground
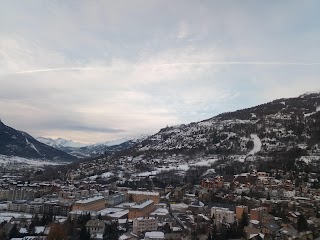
{"x": 178, "y": 167}
{"x": 23, "y": 161}
{"x": 309, "y": 159}
{"x": 257, "y": 144}
{"x": 103, "y": 175}
{"x": 205, "y": 162}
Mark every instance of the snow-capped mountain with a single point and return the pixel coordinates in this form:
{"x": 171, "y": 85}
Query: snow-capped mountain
{"x": 60, "y": 143}
{"x": 21, "y": 144}
{"x": 82, "y": 150}
{"x": 109, "y": 147}
{"x": 110, "y": 143}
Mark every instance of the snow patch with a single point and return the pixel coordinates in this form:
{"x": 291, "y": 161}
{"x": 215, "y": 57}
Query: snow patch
{"x": 309, "y": 114}
{"x": 205, "y": 162}
{"x": 111, "y": 143}
{"x": 107, "y": 175}
{"x": 209, "y": 171}
{"x": 31, "y": 145}
{"x": 178, "y": 206}
{"x": 23, "y": 161}
{"x": 257, "y": 144}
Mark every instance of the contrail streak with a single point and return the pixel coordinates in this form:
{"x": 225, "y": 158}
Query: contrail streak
{"x": 167, "y": 65}
{"x": 62, "y": 69}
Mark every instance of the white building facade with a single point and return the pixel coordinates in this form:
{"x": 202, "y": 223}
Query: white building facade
{"x": 222, "y": 215}
{"x": 142, "y": 224}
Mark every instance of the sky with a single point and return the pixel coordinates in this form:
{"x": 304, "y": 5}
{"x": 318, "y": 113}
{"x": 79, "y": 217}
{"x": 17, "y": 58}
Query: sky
{"x": 94, "y": 71}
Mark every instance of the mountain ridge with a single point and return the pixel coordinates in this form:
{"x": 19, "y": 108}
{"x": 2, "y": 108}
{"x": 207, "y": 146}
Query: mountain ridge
{"x": 91, "y": 150}
{"x": 21, "y": 144}
{"x": 286, "y": 122}
{"x": 60, "y": 142}
{"x": 279, "y": 133}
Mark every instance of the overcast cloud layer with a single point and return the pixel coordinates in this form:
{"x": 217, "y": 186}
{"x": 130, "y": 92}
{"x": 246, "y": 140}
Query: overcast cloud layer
{"x": 93, "y": 71}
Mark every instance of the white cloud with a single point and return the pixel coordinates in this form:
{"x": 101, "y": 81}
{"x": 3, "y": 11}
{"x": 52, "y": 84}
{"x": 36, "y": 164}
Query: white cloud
{"x": 92, "y": 71}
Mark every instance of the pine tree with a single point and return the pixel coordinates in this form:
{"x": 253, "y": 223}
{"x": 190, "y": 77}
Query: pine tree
{"x": 31, "y": 228}
{"x": 84, "y": 234}
{"x": 14, "y": 232}
{"x": 111, "y": 231}
{"x": 36, "y": 220}
{"x": 214, "y": 232}
{"x": 318, "y": 212}
{"x": 3, "y": 236}
{"x": 268, "y": 197}
{"x": 194, "y": 235}
{"x": 244, "y": 219}
{"x": 88, "y": 234}
{"x": 302, "y": 224}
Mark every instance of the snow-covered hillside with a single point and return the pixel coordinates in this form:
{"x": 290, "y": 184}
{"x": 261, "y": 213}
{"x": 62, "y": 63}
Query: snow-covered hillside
{"x": 109, "y": 147}
{"x": 60, "y": 143}
{"x": 275, "y": 126}
{"x": 24, "y": 162}
{"x": 256, "y": 144}
{"x": 18, "y": 143}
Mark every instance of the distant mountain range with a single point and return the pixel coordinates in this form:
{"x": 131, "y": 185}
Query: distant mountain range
{"x": 60, "y": 143}
{"x": 83, "y": 150}
{"x": 17, "y": 143}
{"x": 276, "y": 126}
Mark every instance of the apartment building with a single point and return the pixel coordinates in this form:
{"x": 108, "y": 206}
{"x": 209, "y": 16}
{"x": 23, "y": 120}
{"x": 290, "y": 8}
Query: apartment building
{"x": 222, "y": 215}
{"x": 95, "y": 203}
{"x": 25, "y": 206}
{"x": 256, "y": 213}
{"x": 213, "y": 183}
{"x": 115, "y": 199}
{"x": 57, "y": 208}
{"x": 143, "y": 224}
{"x": 240, "y": 210}
{"x": 141, "y": 210}
{"x": 95, "y": 226}
{"x": 14, "y": 194}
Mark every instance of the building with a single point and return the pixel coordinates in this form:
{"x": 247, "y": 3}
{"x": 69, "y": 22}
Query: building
{"x": 141, "y": 210}
{"x": 213, "y": 183}
{"x": 95, "y": 226}
{"x": 240, "y": 210}
{"x": 34, "y": 207}
{"x": 142, "y": 224}
{"x": 139, "y": 196}
{"x": 16, "y": 206}
{"x": 221, "y": 215}
{"x": 21, "y": 194}
{"x": 256, "y": 213}
{"x": 25, "y": 206}
{"x": 57, "y": 208}
{"x": 73, "y": 195}
{"x": 95, "y": 203}
{"x": 115, "y": 199}
{"x": 113, "y": 213}
{"x": 154, "y": 236}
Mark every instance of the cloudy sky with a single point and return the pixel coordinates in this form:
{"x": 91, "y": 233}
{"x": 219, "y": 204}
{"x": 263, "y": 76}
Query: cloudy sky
{"x": 94, "y": 70}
